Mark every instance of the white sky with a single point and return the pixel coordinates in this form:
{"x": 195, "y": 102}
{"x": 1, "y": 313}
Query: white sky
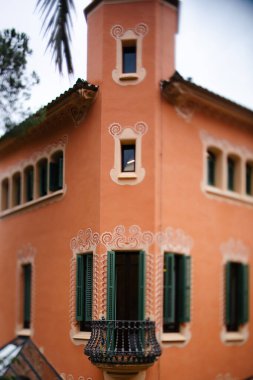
{"x": 214, "y": 47}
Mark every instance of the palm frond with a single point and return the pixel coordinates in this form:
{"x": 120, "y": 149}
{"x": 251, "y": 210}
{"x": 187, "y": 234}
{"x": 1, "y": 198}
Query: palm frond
{"x": 57, "y": 23}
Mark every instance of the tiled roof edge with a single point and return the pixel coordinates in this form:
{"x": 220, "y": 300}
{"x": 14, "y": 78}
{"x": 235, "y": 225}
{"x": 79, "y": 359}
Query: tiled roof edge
{"x": 177, "y": 78}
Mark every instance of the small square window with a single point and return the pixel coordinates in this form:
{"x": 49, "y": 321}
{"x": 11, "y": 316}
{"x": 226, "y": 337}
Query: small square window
{"x": 128, "y": 157}
{"x": 129, "y": 57}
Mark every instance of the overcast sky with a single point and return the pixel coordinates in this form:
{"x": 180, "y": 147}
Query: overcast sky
{"x": 214, "y": 47}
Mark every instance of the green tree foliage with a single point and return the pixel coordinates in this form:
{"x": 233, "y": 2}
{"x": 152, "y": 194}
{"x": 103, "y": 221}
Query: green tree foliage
{"x": 57, "y": 23}
{"x": 15, "y": 81}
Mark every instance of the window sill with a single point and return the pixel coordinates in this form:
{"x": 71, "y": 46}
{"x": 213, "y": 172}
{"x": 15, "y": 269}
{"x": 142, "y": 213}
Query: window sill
{"x": 128, "y": 76}
{"x": 31, "y": 203}
{"x": 24, "y": 332}
{"x": 82, "y": 335}
{"x": 234, "y": 337}
{"x": 173, "y": 337}
{"x": 229, "y": 194}
{"x": 127, "y": 175}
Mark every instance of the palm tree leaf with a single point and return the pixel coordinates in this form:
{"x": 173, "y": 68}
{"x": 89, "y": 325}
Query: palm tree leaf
{"x": 57, "y": 24}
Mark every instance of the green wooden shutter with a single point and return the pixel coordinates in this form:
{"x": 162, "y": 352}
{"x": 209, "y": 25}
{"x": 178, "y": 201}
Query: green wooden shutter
{"x": 88, "y": 287}
{"x": 111, "y": 306}
{"x": 185, "y": 289}
{"x": 60, "y": 173}
{"x": 169, "y": 288}
{"x": 80, "y": 288}
{"x": 244, "y": 294}
{"x": 27, "y": 294}
{"x": 141, "y": 286}
{"x": 228, "y": 315}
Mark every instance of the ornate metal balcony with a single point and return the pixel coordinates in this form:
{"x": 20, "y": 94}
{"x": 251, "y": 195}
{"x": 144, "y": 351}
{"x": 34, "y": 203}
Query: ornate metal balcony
{"x": 123, "y": 343}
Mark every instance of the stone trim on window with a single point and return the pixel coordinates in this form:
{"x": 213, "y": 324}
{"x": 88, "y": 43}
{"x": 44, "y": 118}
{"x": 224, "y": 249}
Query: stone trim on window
{"x": 224, "y": 152}
{"x": 26, "y": 255}
{"x": 174, "y": 241}
{"x": 126, "y": 135}
{"x": 127, "y": 37}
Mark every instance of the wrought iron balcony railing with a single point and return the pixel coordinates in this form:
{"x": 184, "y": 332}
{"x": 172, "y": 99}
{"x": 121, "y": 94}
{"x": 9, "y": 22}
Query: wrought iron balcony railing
{"x": 123, "y": 342}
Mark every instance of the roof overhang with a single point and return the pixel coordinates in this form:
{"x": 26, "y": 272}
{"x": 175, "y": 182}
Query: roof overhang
{"x": 72, "y": 105}
{"x": 95, "y": 3}
{"x": 185, "y": 94}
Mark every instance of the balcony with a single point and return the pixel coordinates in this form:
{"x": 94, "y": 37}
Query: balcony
{"x": 123, "y": 345}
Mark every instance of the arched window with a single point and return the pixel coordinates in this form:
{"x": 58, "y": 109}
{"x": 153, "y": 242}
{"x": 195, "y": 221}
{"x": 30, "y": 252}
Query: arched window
{"x": 213, "y": 167}
{"x": 29, "y": 183}
{"x": 42, "y": 177}
{"x": 233, "y": 168}
{"x": 56, "y": 171}
{"x": 249, "y": 178}
{"x": 16, "y": 189}
{"x": 5, "y": 194}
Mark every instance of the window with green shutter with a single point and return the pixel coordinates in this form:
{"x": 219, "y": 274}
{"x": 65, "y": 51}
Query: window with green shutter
{"x": 27, "y": 277}
{"x": 236, "y": 295}
{"x": 177, "y": 291}
{"x": 84, "y": 288}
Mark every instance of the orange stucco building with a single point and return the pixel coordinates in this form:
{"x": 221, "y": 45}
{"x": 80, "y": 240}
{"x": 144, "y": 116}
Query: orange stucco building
{"x": 126, "y": 215}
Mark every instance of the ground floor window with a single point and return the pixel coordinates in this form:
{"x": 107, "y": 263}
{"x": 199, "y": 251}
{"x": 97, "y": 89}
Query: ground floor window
{"x": 84, "y": 290}
{"x": 236, "y": 295}
{"x": 177, "y": 289}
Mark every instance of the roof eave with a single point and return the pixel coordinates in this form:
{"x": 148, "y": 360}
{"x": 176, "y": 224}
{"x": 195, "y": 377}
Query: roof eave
{"x": 179, "y": 92}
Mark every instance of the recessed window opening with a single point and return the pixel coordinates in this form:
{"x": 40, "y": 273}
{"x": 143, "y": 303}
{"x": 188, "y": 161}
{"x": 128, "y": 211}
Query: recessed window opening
{"x": 211, "y": 168}
{"x": 128, "y": 157}
{"x": 233, "y": 173}
{"x": 42, "y": 177}
{"x": 29, "y": 181}
{"x": 16, "y": 189}
{"x": 56, "y": 171}
{"x": 5, "y": 194}
{"x": 129, "y": 64}
{"x": 27, "y": 277}
{"x": 249, "y": 178}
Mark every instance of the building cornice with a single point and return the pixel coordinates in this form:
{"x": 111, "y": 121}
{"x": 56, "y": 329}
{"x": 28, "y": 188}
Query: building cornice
{"x": 186, "y": 94}
{"x": 95, "y": 3}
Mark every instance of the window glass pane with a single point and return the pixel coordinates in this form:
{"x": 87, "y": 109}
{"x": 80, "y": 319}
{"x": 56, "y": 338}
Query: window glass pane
{"x": 129, "y": 59}
{"x": 128, "y": 158}
{"x": 233, "y": 296}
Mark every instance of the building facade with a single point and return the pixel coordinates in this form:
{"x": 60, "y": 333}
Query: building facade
{"x": 126, "y": 214}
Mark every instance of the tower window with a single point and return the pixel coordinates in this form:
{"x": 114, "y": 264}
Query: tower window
{"x": 128, "y": 157}
{"x": 129, "y": 57}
